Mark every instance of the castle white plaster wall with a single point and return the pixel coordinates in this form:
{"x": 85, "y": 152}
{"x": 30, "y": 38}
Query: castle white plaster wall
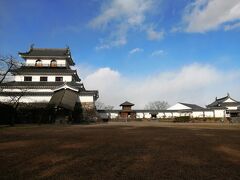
{"x": 113, "y": 115}
{"x": 35, "y": 99}
{"x": 147, "y": 115}
{"x": 168, "y": 115}
{"x": 232, "y": 107}
{"x": 194, "y": 114}
{"x": 19, "y": 78}
{"x": 32, "y": 62}
{"x": 28, "y": 90}
{"x": 186, "y": 114}
{"x": 139, "y": 115}
{"x": 197, "y": 114}
{"x": 36, "y": 78}
{"x": 219, "y": 113}
{"x": 104, "y": 115}
{"x": 4, "y": 99}
{"x": 209, "y": 114}
{"x": 176, "y": 114}
{"x": 86, "y": 98}
{"x": 27, "y": 99}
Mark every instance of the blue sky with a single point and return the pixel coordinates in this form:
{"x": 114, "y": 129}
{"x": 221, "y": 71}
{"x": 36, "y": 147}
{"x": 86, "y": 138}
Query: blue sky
{"x": 135, "y": 40}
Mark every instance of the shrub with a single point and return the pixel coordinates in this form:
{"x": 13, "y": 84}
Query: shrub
{"x": 182, "y": 119}
{"x": 206, "y": 119}
{"x": 166, "y": 120}
{"x": 6, "y": 112}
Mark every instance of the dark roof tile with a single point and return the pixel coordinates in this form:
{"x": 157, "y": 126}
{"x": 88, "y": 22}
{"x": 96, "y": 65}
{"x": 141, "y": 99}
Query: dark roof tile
{"x": 40, "y": 85}
{"x": 43, "y": 70}
{"x": 219, "y": 102}
{"x": 46, "y": 52}
{"x": 126, "y": 103}
{"x": 64, "y": 98}
{"x": 193, "y": 106}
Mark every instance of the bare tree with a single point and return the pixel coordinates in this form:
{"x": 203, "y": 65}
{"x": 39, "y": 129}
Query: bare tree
{"x": 14, "y": 101}
{"x": 7, "y": 64}
{"x": 109, "y": 107}
{"x": 102, "y": 106}
{"x": 99, "y": 105}
{"x": 157, "y": 105}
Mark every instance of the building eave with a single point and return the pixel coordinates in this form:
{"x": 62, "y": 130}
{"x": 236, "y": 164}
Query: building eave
{"x": 39, "y": 85}
{"x": 65, "y": 86}
{"x": 43, "y": 70}
{"x": 83, "y": 93}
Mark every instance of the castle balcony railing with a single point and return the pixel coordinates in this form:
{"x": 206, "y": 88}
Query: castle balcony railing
{"x": 44, "y": 65}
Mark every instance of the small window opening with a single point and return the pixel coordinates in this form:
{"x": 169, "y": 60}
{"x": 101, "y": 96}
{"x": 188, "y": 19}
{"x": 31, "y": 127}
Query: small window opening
{"x": 59, "y": 79}
{"x": 38, "y": 63}
{"x": 27, "y": 78}
{"x": 43, "y": 78}
{"x": 53, "y": 63}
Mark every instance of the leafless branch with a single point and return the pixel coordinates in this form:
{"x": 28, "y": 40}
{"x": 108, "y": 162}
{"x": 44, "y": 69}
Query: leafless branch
{"x": 15, "y": 100}
{"x": 7, "y": 64}
{"x": 101, "y": 105}
{"x": 157, "y": 105}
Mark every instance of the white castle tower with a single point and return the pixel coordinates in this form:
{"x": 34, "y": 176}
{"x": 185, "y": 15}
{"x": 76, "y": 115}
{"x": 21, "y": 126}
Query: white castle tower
{"x": 47, "y": 80}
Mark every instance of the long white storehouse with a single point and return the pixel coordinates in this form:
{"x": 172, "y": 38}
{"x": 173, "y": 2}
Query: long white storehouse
{"x": 220, "y": 108}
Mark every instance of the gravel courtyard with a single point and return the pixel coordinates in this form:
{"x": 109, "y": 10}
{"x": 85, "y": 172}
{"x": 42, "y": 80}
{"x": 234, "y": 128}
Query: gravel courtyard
{"x": 134, "y": 150}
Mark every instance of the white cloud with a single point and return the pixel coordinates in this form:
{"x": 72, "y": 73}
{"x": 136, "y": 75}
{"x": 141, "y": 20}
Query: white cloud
{"x": 135, "y": 50}
{"x": 132, "y": 11}
{"x": 231, "y": 26}
{"x": 109, "y": 43}
{"x": 195, "y": 83}
{"x": 118, "y": 17}
{"x": 117, "y": 37}
{"x": 157, "y": 53}
{"x": 206, "y": 15}
{"x": 154, "y": 35}
{"x": 100, "y": 78}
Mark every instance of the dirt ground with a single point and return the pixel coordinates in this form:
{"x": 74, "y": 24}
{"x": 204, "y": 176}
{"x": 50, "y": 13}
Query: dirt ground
{"x": 121, "y": 151}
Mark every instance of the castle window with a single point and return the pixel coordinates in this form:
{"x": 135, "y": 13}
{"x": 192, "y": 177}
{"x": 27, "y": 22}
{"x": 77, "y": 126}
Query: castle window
{"x": 53, "y": 63}
{"x": 59, "y": 79}
{"x": 43, "y": 78}
{"x": 38, "y": 63}
{"x": 27, "y": 78}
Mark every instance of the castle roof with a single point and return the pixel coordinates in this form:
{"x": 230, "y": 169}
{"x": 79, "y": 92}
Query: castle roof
{"x": 126, "y": 103}
{"x": 64, "y": 98}
{"x": 30, "y": 93}
{"x": 24, "y": 70}
{"x": 222, "y": 102}
{"x": 41, "y": 70}
{"x": 193, "y": 106}
{"x": 40, "y": 85}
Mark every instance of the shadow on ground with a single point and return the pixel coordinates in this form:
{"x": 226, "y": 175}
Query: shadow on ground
{"x": 119, "y": 152}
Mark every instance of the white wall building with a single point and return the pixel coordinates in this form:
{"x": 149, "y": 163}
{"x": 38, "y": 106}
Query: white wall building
{"x": 225, "y": 107}
{"x": 220, "y": 108}
{"x": 45, "y": 72}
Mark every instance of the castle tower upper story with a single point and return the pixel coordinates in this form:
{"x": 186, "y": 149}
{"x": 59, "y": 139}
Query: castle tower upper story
{"x": 45, "y": 64}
